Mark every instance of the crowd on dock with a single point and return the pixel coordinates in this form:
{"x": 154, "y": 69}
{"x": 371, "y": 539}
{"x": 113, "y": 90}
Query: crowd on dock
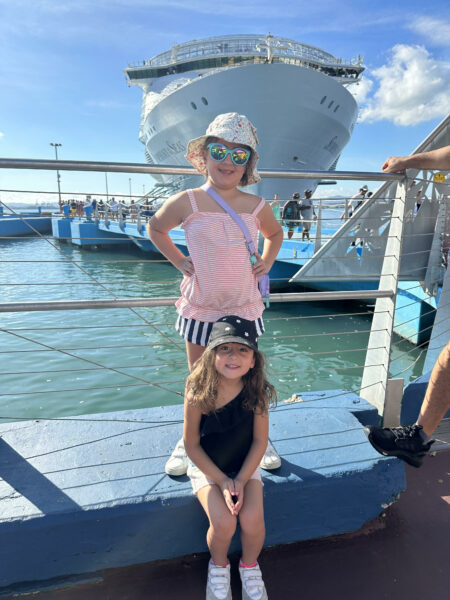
{"x": 112, "y": 208}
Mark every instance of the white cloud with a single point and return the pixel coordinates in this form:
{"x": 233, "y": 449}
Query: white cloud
{"x": 413, "y": 87}
{"x": 436, "y": 30}
{"x": 361, "y": 90}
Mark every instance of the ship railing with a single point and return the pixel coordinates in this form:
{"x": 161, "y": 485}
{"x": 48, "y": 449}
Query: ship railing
{"x": 377, "y": 386}
{"x": 264, "y": 46}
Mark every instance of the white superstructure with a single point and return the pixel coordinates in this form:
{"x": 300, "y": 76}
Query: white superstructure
{"x": 295, "y": 95}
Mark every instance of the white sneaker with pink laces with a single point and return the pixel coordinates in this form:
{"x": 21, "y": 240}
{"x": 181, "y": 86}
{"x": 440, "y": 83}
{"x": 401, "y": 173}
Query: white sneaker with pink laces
{"x": 218, "y": 585}
{"x": 253, "y": 587}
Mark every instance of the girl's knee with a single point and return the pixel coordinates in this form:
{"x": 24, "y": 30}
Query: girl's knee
{"x": 251, "y": 521}
{"x": 225, "y": 525}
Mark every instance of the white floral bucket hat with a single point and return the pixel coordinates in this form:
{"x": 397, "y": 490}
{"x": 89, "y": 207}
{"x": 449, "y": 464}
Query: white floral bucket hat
{"x": 230, "y": 127}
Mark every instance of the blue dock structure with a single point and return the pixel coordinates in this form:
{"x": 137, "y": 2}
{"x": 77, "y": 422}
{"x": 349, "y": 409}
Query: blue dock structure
{"x": 79, "y": 494}
{"x": 24, "y": 223}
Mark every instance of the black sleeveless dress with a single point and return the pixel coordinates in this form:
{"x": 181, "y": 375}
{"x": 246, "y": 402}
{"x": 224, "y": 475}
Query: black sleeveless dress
{"x": 227, "y": 434}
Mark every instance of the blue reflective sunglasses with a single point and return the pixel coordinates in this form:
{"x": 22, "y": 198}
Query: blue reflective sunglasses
{"x": 219, "y": 152}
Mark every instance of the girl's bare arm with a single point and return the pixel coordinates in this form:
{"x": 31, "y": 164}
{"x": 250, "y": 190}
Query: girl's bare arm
{"x": 257, "y": 449}
{"x": 170, "y": 215}
{"x": 191, "y": 435}
{"x": 273, "y": 238}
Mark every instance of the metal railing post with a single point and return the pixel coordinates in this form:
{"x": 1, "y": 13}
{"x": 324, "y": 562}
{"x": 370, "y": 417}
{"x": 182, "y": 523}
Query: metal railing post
{"x": 376, "y": 367}
{"x": 318, "y": 240}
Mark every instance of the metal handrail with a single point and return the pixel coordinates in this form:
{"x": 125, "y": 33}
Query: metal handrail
{"x": 78, "y": 165}
{"x": 169, "y": 301}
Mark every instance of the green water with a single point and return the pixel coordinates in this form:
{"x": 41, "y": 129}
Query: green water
{"x": 63, "y": 363}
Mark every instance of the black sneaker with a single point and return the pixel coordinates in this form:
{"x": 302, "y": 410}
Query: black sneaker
{"x": 404, "y": 442}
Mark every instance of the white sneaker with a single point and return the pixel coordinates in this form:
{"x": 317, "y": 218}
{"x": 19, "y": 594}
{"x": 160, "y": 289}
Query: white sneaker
{"x": 271, "y": 459}
{"x": 178, "y": 462}
{"x": 218, "y": 585}
{"x": 253, "y": 587}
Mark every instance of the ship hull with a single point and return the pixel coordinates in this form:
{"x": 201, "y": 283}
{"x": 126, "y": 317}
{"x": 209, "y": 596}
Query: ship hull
{"x": 304, "y": 119}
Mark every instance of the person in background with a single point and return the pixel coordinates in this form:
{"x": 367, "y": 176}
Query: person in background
{"x": 219, "y": 278}
{"x": 307, "y": 214}
{"x": 291, "y": 214}
{"x": 275, "y": 206}
{"x": 226, "y": 425}
{"x": 133, "y": 211}
{"x": 356, "y": 201}
{"x": 411, "y": 443}
{"x": 114, "y": 208}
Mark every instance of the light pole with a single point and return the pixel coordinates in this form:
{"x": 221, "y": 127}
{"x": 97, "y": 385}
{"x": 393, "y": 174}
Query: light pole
{"x": 129, "y": 183}
{"x": 106, "y": 181}
{"x": 58, "y": 177}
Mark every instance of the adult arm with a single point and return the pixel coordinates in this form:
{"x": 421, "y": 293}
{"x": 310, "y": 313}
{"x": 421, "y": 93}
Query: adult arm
{"x": 273, "y": 238}
{"x": 170, "y": 215}
{"x": 435, "y": 159}
{"x": 191, "y": 435}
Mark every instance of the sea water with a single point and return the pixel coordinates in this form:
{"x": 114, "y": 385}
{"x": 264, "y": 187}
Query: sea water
{"x": 63, "y": 363}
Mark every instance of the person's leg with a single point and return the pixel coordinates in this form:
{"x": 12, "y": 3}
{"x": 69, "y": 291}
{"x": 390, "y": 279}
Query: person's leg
{"x": 251, "y": 520}
{"x": 411, "y": 442}
{"x": 290, "y": 233}
{"x": 222, "y": 524}
{"x": 437, "y": 397}
{"x": 193, "y": 351}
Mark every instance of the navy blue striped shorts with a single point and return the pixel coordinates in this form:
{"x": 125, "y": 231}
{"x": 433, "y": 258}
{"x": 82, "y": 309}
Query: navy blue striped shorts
{"x": 197, "y": 332}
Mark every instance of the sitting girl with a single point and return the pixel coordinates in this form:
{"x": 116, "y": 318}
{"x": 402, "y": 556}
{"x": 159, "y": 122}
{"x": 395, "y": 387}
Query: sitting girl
{"x": 226, "y": 427}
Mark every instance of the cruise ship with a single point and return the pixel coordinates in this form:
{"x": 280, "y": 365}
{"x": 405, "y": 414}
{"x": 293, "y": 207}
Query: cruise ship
{"x": 295, "y": 94}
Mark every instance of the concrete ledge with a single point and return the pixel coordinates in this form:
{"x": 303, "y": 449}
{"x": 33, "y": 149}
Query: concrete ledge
{"x": 78, "y": 496}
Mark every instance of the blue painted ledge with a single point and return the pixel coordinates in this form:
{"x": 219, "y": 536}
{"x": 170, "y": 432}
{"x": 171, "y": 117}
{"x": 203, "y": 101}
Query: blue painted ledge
{"x": 412, "y": 400}
{"x": 80, "y": 496}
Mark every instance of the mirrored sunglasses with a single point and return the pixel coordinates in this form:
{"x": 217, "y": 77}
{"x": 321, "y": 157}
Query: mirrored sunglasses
{"x": 239, "y": 156}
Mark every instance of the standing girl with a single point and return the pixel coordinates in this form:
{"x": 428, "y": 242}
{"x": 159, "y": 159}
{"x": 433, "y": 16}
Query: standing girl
{"x": 218, "y": 279}
{"x": 225, "y": 433}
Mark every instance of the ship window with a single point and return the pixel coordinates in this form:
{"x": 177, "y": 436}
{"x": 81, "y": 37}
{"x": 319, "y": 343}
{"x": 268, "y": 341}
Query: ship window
{"x": 194, "y": 106}
{"x": 336, "y": 108}
{"x": 323, "y": 100}
{"x": 205, "y": 101}
{"x": 331, "y": 104}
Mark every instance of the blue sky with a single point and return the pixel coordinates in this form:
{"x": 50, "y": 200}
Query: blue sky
{"x": 62, "y": 80}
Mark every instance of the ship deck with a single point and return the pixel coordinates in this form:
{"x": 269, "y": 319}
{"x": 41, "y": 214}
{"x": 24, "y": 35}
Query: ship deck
{"x": 401, "y": 554}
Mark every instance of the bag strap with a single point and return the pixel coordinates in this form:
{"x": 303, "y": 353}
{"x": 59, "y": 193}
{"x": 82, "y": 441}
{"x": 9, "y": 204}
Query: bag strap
{"x": 227, "y": 208}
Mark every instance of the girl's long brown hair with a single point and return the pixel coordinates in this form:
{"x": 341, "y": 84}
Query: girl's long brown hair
{"x": 203, "y": 383}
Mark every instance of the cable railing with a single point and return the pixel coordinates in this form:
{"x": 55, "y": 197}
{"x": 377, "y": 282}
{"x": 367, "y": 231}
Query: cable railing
{"x": 37, "y": 338}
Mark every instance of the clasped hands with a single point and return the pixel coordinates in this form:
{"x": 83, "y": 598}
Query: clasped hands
{"x": 233, "y": 492}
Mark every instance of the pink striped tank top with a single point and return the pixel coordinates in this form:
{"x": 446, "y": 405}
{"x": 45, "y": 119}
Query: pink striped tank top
{"x": 223, "y": 282}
